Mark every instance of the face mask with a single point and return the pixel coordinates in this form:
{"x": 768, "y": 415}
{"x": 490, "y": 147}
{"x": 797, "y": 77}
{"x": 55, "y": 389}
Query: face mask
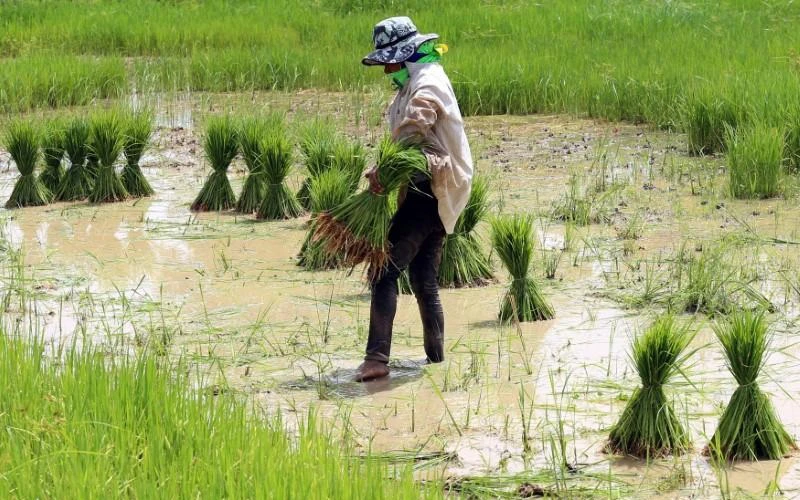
{"x": 428, "y": 52}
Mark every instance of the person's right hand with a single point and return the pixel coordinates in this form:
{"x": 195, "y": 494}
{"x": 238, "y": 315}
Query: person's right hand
{"x": 374, "y": 183}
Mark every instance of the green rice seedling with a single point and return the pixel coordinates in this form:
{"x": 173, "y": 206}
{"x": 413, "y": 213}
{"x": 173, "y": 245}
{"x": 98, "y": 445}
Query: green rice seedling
{"x": 358, "y": 228}
{"x": 251, "y": 136}
{"x": 106, "y": 139}
{"x": 463, "y": 261}
{"x": 136, "y": 139}
{"x": 92, "y": 162}
{"x": 649, "y": 427}
{"x": 53, "y": 153}
{"x": 512, "y": 239}
{"x": 220, "y": 146}
{"x": 318, "y": 144}
{"x": 326, "y": 191}
{"x": 350, "y": 158}
{"x": 707, "y": 118}
{"x": 791, "y": 141}
{"x": 276, "y": 160}
{"x": 22, "y": 142}
{"x": 755, "y": 157}
{"x": 749, "y": 429}
{"x": 77, "y": 181}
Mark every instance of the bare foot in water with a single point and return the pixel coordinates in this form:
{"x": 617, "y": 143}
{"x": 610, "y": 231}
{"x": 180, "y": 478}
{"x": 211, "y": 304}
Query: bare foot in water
{"x": 370, "y": 370}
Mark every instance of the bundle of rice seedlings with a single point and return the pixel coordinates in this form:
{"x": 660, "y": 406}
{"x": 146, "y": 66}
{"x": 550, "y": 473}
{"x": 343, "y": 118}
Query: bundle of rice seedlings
{"x": 22, "y": 142}
{"x": 106, "y": 141}
{"x": 276, "y": 160}
{"x": 317, "y": 144}
{"x": 251, "y": 135}
{"x": 220, "y": 147}
{"x": 755, "y": 154}
{"x": 136, "y": 139}
{"x": 326, "y": 191}
{"x": 351, "y": 159}
{"x": 77, "y": 181}
{"x": 512, "y": 238}
{"x": 463, "y": 260}
{"x": 358, "y": 228}
{"x": 53, "y": 152}
{"x": 648, "y": 427}
{"x": 749, "y": 429}
{"x": 92, "y": 162}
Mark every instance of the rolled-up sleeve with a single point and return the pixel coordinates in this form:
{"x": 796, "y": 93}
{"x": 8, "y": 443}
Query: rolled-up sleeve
{"x": 421, "y": 114}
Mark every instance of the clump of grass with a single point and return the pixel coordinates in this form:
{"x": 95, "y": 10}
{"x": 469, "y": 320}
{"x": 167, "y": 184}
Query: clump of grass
{"x": 136, "y": 139}
{"x": 53, "y": 153}
{"x": 78, "y": 181}
{"x": 220, "y": 146}
{"x": 276, "y": 161}
{"x": 582, "y": 205}
{"x": 327, "y": 191}
{"x": 22, "y": 142}
{"x": 749, "y": 429}
{"x": 791, "y": 141}
{"x": 649, "y": 427}
{"x": 251, "y": 136}
{"x": 463, "y": 261}
{"x": 106, "y": 140}
{"x": 318, "y": 143}
{"x": 358, "y": 228}
{"x": 512, "y": 238}
{"x": 755, "y": 156}
{"x": 707, "y": 118}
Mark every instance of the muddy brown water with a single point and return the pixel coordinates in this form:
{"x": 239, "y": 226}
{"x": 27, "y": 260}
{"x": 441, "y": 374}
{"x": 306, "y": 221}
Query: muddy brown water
{"x": 227, "y": 291}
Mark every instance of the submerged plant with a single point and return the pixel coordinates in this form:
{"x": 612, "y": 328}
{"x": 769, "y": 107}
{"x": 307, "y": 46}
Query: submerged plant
{"x": 512, "y": 238}
{"x": 22, "y": 142}
{"x": 106, "y": 141}
{"x": 136, "y": 140}
{"x": 77, "y": 181}
{"x": 53, "y": 152}
{"x": 326, "y": 191}
{"x": 749, "y": 429}
{"x": 251, "y": 136}
{"x": 648, "y": 427}
{"x": 276, "y": 161}
{"x": 755, "y": 157}
{"x": 220, "y": 146}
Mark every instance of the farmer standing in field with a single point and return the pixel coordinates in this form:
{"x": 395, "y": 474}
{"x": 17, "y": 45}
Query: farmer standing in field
{"x": 424, "y": 111}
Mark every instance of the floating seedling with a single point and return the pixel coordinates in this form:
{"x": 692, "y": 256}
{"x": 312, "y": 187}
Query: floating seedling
{"x": 53, "y": 152}
{"x": 136, "y": 140}
{"x": 512, "y": 238}
{"x": 649, "y": 427}
{"x": 22, "y": 142}
{"x": 77, "y": 181}
{"x": 755, "y": 157}
{"x": 251, "y": 135}
{"x": 106, "y": 141}
{"x": 749, "y": 429}
{"x": 317, "y": 145}
{"x": 276, "y": 160}
{"x": 220, "y": 147}
{"x": 358, "y": 228}
{"x": 326, "y": 191}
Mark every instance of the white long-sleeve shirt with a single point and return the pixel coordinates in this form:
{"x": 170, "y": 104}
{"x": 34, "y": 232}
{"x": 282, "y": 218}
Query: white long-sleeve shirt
{"x": 426, "y": 106}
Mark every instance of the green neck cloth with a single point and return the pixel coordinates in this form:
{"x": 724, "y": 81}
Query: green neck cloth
{"x": 428, "y": 52}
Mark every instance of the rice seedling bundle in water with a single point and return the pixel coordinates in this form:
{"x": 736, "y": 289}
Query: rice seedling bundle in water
{"x": 251, "y": 135}
{"x": 512, "y": 238}
{"x": 53, "y": 152}
{"x": 317, "y": 146}
{"x": 755, "y": 156}
{"x": 77, "y": 181}
{"x": 649, "y": 427}
{"x": 106, "y": 142}
{"x": 22, "y": 142}
{"x": 326, "y": 191}
{"x": 137, "y": 135}
{"x": 749, "y": 428}
{"x": 220, "y": 146}
{"x": 359, "y": 228}
{"x": 276, "y": 160}
{"x": 351, "y": 159}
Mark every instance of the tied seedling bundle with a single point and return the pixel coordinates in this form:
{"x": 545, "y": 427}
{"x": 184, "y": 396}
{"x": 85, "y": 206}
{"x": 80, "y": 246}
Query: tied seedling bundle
{"x": 512, "y": 238}
{"x": 251, "y": 135}
{"x": 648, "y": 427}
{"x": 22, "y": 142}
{"x": 138, "y": 131}
{"x": 276, "y": 160}
{"x": 317, "y": 145}
{"x": 77, "y": 181}
{"x": 220, "y": 146}
{"x": 351, "y": 159}
{"x": 749, "y": 429}
{"x": 106, "y": 141}
{"x": 53, "y": 152}
{"x": 326, "y": 191}
{"x": 358, "y": 228}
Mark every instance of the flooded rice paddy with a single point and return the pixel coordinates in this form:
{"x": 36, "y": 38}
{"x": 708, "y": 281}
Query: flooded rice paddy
{"x": 510, "y": 401}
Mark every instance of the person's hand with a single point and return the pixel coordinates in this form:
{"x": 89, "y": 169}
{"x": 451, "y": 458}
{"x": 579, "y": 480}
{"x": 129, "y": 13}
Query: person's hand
{"x": 374, "y": 183}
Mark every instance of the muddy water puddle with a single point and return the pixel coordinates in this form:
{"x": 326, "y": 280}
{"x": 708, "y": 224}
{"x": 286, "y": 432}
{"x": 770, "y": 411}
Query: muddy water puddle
{"x": 224, "y": 291}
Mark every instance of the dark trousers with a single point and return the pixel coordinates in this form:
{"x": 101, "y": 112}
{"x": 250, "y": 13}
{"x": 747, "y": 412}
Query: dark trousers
{"x": 416, "y": 237}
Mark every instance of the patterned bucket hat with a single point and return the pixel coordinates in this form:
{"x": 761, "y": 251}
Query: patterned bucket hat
{"x": 396, "y": 39}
